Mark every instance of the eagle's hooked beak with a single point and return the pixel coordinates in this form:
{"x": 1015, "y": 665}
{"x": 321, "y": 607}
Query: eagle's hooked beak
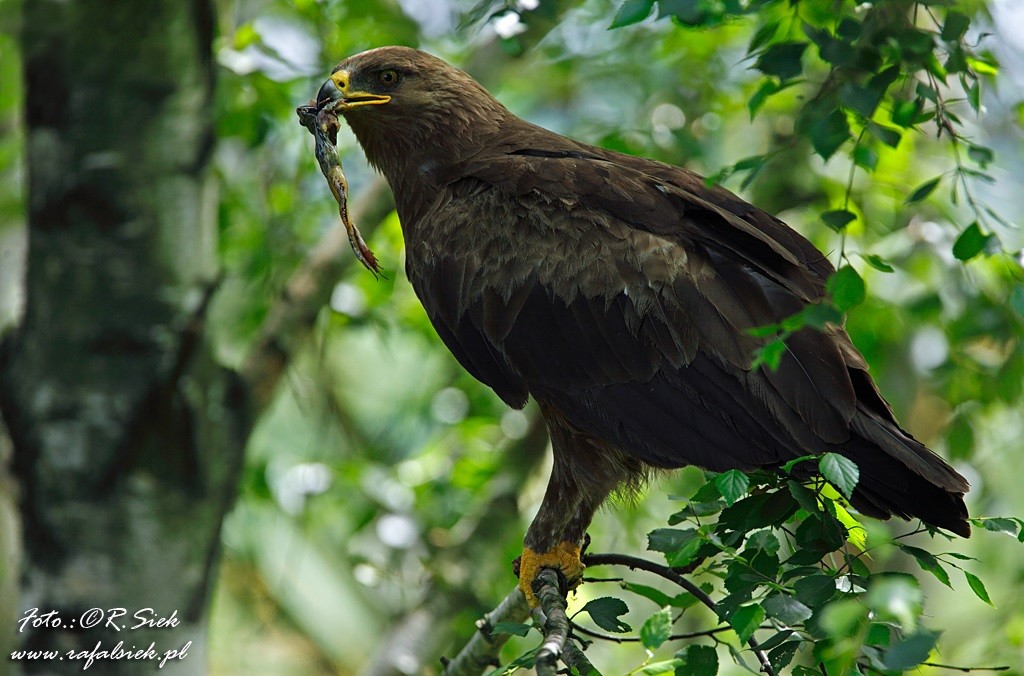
{"x": 338, "y": 95}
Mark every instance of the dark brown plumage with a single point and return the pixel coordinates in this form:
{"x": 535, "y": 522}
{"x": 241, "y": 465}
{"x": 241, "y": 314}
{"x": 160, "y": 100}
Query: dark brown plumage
{"x": 618, "y": 291}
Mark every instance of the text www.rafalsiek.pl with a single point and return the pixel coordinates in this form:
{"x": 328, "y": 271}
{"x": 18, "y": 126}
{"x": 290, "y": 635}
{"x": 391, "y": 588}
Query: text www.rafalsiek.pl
{"x": 109, "y": 619}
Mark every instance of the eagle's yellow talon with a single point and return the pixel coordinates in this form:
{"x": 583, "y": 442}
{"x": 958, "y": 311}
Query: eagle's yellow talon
{"x": 565, "y": 557}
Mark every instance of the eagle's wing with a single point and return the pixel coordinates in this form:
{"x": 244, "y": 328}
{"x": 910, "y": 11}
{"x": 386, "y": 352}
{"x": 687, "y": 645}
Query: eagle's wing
{"x": 620, "y": 293}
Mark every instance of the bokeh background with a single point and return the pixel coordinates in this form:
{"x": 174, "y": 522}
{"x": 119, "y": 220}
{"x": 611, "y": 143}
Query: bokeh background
{"x": 384, "y": 492}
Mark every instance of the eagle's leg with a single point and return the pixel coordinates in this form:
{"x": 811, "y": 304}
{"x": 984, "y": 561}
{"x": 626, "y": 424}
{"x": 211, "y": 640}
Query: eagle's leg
{"x": 585, "y": 471}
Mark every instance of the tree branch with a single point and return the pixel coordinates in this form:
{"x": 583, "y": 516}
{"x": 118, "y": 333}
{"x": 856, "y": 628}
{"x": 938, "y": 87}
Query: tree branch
{"x": 664, "y": 571}
{"x": 481, "y": 651}
{"x": 548, "y": 588}
{"x": 575, "y": 659}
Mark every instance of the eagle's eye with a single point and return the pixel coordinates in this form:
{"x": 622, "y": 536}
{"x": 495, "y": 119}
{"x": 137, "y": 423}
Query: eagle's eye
{"x": 388, "y": 78}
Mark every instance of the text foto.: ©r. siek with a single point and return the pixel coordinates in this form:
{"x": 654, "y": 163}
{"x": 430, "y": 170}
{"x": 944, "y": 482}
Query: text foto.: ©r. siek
{"x": 116, "y": 619}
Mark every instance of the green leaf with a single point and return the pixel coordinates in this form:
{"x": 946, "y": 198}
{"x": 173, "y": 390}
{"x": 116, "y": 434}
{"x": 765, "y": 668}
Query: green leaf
{"x": 843, "y": 618}
{"x": 605, "y": 613}
{"x": 1017, "y": 299}
{"x": 928, "y": 562}
{"x": 664, "y": 668}
{"x": 971, "y": 242}
{"x": 788, "y": 467}
{"x": 879, "y": 634}
{"x": 691, "y": 12}
{"x": 767, "y": 88}
{"x": 998, "y": 525}
{"x": 698, "y": 660}
{"x": 815, "y": 590}
{"x": 981, "y": 155}
{"x": 746, "y": 620}
{"x": 974, "y": 96}
{"x": 527, "y": 660}
{"x": 923, "y": 190}
{"x": 732, "y": 484}
{"x": 838, "y": 219}
{"x": 660, "y": 598}
{"x": 752, "y": 171}
{"x": 656, "y": 629}
{"x": 906, "y": 113}
{"x": 895, "y": 597}
{"x": 779, "y": 638}
{"x": 819, "y": 535}
{"x": 804, "y": 497}
{"x": 842, "y": 472}
{"x": 860, "y": 99}
{"x": 887, "y": 135}
{"x": 669, "y": 539}
{"x": 782, "y": 60}
{"x": 707, "y": 493}
{"x": 910, "y": 652}
{"x": 978, "y": 587}
{"x": 762, "y": 36}
{"x": 786, "y": 609}
{"x": 770, "y": 354}
{"x": 955, "y": 27}
{"x": 685, "y": 555}
{"x": 877, "y": 262}
{"x": 511, "y": 628}
{"x": 927, "y": 92}
{"x": 832, "y": 49}
{"x": 780, "y": 656}
{"x": 956, "y": 62}
{"x": 757, "y": 511}
{"x": 847, "y": 288}
{"x": 696, "y": 509}
{"x": 881, "y": 82}
{"x": 817, "y": 315}
{"x": 632, "y": 11}
{"x": 916, "y": 43}
{"x": 983, "y": 66}
{"x": 765, "y": 541}
{"x": 866, "y": 157}
{"x": 828, "y": 133}
{"x": 849, "y": 28}
{"x": 980, "y": 175}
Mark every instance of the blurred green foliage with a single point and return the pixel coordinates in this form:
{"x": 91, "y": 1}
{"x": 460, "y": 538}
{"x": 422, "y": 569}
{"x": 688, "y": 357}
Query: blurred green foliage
{"x": 379, "y": 455}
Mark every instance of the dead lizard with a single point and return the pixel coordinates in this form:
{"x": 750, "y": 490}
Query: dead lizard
{"x": 323, "y": 126}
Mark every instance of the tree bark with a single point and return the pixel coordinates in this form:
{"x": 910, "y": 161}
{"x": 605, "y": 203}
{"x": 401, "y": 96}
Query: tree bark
{"x": 127, "y": 435}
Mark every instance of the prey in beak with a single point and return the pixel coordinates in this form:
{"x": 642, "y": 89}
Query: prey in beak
{"x": 321, "y": 119}
{"x": 337, "y": 94}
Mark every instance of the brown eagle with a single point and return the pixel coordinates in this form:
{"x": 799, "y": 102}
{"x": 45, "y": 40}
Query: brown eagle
{"x": 619, "y": 292}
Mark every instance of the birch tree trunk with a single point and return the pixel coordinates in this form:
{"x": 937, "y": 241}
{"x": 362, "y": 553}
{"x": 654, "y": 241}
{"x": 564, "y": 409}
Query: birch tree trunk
{"x": 127, "y": 435}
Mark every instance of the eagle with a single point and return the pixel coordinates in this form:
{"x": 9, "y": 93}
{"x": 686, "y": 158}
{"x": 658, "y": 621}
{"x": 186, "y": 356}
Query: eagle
{"x": 620, "y": 293}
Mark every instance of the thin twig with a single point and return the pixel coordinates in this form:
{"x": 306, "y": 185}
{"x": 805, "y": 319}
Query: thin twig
{"x": 651, "y": 567}
{"x": 963, "y": 669}
{"x": 669, "y": 574}
{"x": 632, "y": 639}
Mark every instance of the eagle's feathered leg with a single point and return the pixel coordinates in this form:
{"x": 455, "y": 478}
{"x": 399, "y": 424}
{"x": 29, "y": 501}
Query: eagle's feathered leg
{"x": 584, "y": 472}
